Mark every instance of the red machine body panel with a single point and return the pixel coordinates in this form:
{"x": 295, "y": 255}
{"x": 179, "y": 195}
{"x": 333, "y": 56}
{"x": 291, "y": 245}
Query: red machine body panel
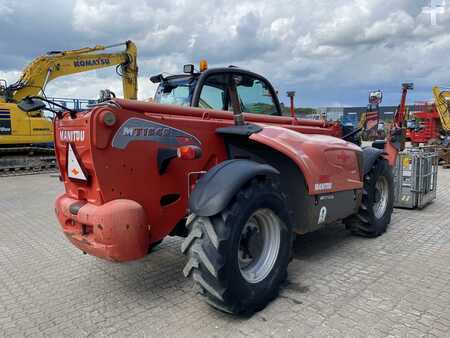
{"x": 127, "y": 203}
{"x": 329, "y": 164}
{"x": 429, "y": 123}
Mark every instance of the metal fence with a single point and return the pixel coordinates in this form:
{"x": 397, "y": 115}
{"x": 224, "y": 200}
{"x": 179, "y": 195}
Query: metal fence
{"x": 74, "y": 104}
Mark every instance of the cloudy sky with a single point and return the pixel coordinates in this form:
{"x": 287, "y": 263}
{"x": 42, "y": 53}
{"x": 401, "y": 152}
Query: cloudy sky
{"x": 332, "y": 52}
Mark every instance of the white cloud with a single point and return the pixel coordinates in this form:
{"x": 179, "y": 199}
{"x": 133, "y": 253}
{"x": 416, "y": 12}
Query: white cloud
{"x": 88, "y": 86}
{"x": 329, "y": 51}
{"x": 10, "y": 76}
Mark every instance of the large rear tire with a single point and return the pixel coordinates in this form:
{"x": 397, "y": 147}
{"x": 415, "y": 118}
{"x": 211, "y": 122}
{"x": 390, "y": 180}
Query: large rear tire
{"x": 239, "y": 257}
{"x": 377, "y": 204}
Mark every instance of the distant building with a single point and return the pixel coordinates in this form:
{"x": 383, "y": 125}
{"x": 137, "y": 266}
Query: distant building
{"x": 354, "y": 113}
{"x": 331, "y": 113}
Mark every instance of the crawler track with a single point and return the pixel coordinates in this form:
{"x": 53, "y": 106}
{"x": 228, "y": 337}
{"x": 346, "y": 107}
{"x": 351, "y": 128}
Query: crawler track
{"x": 17, "y": 161}
{"x": 29, "y": 171}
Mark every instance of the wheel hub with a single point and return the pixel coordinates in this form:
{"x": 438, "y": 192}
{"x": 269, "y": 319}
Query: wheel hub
{"x": 259, "y": 245}
{"x": 377, "y": 195}
{"x": 250, "y": 245}
{"x": 381, "y": 197}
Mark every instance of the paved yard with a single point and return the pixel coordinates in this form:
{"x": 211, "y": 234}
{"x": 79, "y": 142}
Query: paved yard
{"x": 398, "y": 284}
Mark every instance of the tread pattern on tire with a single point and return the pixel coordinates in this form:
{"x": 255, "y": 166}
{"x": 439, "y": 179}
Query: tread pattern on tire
{"x": 208, "y": 236}
{"x": 361, "y": 224}
{"x": 203, "y": 268}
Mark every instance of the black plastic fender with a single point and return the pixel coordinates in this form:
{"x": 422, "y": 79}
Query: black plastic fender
{"x": 217, "y": 187}
{"x": 370, "y": 155}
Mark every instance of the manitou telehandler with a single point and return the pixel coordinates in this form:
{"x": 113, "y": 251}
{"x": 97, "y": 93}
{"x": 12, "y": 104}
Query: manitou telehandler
{"x": 220, "y": 167}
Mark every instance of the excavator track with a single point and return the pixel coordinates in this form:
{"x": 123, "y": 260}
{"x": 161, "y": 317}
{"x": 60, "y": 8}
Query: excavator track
{"x": 17, "y": 161}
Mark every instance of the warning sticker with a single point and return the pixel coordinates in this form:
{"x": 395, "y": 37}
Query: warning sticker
{"x": 74, "y": 169}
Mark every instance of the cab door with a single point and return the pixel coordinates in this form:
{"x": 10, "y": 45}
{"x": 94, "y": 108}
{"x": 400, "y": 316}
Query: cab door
{"x": 255, "y": 96}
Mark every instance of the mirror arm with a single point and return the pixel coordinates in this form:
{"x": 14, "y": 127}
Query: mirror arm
{"x": 58, "y": 114}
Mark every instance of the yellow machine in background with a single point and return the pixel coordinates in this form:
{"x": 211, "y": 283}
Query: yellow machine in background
{"x": 25, "y": 134}
{"x": 442, "y": 101}
{"x": 442, "y": 104}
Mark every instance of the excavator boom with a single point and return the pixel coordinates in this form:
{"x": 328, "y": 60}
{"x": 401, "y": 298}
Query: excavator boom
{"x": 56, "y": 64}
{"x": 395, "y": 140}
{"x": 400, "y": 115}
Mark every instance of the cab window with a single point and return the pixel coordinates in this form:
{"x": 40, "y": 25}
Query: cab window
{"x": 254, "y": 96}
{"x": 213, "y": 94}
{"x": 176, "y": 94}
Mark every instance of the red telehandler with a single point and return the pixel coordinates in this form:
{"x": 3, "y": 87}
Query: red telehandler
{"x": 213, "y": 160}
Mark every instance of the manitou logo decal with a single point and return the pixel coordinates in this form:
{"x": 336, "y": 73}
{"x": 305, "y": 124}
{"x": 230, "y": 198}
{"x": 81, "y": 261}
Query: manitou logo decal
{"x": 323, "y": 186}
{"x": 91, "y": 62}
{"x": 71, "y": 135}
{"x": 136, "y": 129}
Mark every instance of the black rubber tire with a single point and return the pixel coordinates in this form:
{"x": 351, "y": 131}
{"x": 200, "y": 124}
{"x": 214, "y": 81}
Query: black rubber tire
{"x": 212, "y": 247}
{"x": 365, "y": 223}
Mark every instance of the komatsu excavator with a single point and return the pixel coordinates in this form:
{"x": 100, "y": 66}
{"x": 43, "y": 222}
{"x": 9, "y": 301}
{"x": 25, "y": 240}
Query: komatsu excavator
{"x": 442, "y": 101}
{"x": 442, "y": 106}
{"x": 26, "y": 139}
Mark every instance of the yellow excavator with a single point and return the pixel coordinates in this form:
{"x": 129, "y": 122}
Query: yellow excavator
{"x": 26, "y": 139}
{"x": 442, "y": 102}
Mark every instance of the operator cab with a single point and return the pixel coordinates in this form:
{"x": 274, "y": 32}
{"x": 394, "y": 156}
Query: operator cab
{"x": 211, "y": 89}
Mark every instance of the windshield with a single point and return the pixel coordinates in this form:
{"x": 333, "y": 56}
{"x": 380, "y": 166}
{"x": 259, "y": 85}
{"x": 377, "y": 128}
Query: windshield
{"x": 178, "y": 92}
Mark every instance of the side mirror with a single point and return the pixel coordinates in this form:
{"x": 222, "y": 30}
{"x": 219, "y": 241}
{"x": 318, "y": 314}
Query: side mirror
{"x": 157, "y": 78}
{"x": 29, "y": 104}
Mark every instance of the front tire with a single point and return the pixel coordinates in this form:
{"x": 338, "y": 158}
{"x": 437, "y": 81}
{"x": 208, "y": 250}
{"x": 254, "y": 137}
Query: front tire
{"x": 377, "y": 204}
{"x": 239, "y": 257}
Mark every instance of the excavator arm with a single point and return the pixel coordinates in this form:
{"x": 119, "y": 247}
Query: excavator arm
{"x": 395, "y": 141}
{"x": 442, "y": 100}
{"x": 56, "y": 64}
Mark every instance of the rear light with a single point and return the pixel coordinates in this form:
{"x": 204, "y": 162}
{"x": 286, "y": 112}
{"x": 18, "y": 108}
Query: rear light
{"x": 189, "y": 152}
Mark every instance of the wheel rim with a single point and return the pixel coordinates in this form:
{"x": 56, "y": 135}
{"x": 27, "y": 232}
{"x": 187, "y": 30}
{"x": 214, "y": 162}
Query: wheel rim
{"x": 259, "y": 245}
{"x": 381, "y": 197}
